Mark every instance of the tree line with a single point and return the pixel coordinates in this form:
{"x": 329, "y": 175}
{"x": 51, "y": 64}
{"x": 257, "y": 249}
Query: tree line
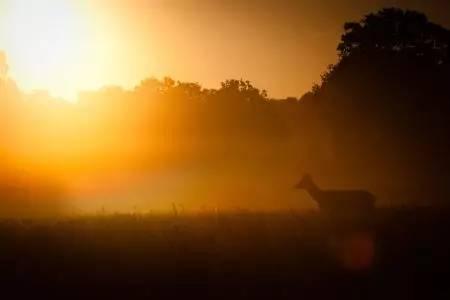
{"x": 378, "y": 118}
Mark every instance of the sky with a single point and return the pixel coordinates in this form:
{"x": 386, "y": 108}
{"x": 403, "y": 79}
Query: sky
{"x": 65, "y": 46}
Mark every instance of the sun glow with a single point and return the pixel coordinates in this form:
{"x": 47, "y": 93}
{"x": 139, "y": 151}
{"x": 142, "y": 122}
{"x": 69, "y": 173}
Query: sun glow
{"x": 46, "y": 43}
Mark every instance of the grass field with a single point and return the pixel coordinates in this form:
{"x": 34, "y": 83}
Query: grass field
{"x": 397, "y": 254}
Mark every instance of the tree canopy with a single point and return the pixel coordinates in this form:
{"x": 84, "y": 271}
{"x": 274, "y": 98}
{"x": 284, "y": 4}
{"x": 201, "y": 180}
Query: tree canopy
{"x": 387, "y": 100}
{"x": 397, "y": 31}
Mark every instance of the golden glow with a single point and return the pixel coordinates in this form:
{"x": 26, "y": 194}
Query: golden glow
{"x": 45, "y": 42}
{"x": 70, "y": 45}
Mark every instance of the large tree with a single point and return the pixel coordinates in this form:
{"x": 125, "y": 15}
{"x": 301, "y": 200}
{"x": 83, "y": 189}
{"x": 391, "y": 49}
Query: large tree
{"x": 387, "y": 100}
{"x": 398, "y": 31}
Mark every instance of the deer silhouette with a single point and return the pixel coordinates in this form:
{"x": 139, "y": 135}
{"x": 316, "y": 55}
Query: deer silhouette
{"x": 334, "y": 202}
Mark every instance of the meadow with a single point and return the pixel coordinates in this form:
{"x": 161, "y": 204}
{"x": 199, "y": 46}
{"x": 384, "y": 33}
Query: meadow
{"x": 92, "y": 122}
{"x": 398, "y": 253}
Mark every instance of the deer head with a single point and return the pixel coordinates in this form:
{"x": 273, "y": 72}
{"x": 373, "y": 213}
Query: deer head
{"x": 305, "y": 183}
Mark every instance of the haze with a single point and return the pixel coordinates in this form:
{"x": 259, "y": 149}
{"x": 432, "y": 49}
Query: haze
{"x": 210, "y": 135}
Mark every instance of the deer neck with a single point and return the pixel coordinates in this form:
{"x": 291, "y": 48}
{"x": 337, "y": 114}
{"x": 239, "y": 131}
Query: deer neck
{"x": 314, "y": 191}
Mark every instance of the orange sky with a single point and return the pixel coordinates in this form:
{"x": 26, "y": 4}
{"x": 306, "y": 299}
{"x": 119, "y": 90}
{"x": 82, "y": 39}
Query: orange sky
{"x": 283, "y": 46}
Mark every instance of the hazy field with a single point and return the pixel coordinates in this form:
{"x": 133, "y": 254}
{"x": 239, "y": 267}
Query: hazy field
{"x": 399, "y": 254}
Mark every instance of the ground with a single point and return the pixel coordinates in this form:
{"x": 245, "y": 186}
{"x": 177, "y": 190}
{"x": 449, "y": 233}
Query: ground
{"x": 395, "y": 254}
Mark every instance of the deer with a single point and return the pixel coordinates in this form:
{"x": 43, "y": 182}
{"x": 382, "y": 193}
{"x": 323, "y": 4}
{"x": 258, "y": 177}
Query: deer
{"x": 338, "y": 202}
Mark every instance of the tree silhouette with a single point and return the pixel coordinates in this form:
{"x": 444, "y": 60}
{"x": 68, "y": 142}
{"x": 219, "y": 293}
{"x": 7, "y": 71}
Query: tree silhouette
{"x": 386, "y": 101}
{"x": 398, "y": 31}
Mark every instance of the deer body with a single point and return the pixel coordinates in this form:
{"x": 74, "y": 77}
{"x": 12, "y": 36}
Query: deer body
{"x": 338, "y": 201}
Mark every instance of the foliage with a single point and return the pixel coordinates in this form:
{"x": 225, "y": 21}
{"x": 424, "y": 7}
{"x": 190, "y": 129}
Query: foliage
{"x": 395, "y": 30}
{"x": 387, "y": 99}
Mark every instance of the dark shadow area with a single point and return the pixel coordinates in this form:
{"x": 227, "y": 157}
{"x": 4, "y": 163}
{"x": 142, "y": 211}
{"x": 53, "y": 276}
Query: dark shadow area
{"x": 403, "y": 254}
